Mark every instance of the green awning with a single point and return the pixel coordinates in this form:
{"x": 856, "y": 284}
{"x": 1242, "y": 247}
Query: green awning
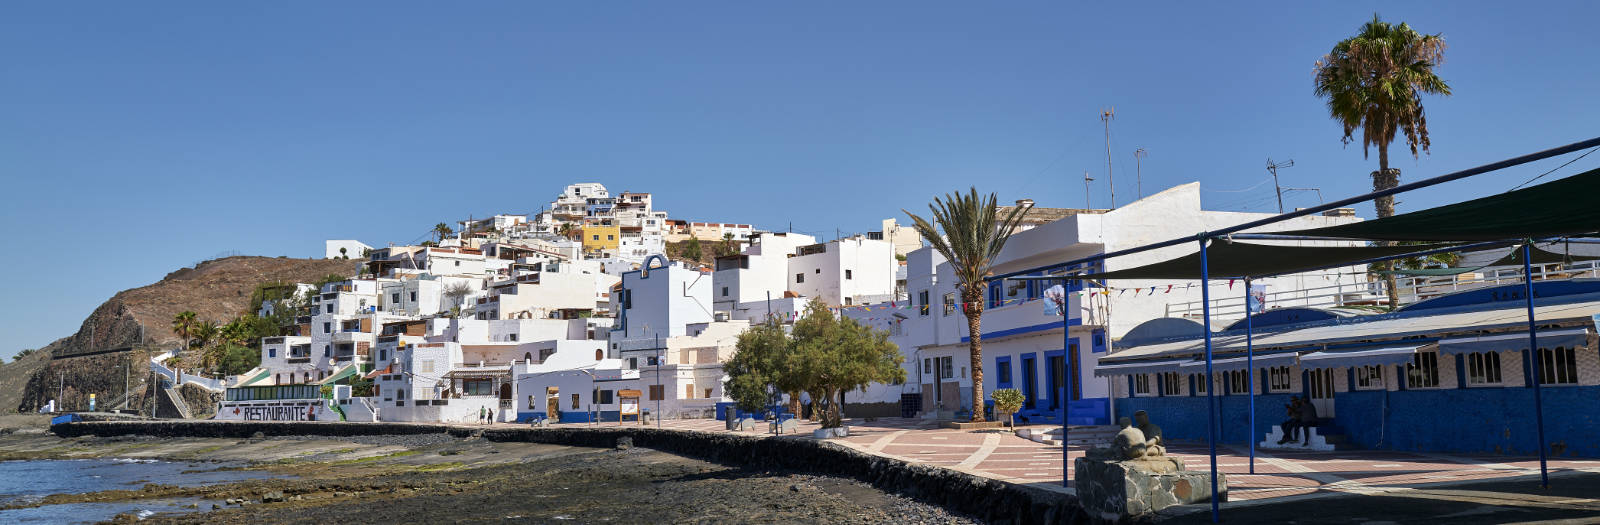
{"x": 1553, "y": 209}
{"x": 1241, "y": 259}
{"x": 263, "y": 375}
{"x": 347, "y": 371}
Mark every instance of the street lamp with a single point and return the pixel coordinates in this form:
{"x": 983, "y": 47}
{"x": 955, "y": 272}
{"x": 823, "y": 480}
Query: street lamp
{"x": 594, "y": 391}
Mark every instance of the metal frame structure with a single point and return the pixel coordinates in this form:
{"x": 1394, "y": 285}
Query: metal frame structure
{"x": 1204, "y": 238}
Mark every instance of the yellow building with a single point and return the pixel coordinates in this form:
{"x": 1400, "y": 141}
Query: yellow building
{"x": 601, "y": 237}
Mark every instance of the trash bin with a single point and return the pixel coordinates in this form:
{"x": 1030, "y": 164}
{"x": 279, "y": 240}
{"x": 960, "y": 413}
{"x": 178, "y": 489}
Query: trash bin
{"x": 731, "y": 414}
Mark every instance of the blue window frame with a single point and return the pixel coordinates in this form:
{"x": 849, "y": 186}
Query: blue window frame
{"x": 1002, "y": 375}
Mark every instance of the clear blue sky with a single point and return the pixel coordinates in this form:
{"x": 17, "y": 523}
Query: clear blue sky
{"x": 140, "y": 137}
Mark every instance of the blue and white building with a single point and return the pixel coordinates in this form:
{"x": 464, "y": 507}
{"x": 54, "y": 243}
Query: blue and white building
{"x": 1027, "y": 348}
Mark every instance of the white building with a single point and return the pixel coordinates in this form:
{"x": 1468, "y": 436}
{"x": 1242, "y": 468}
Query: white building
{"x": 759, "y": 273}
{"x": 344, "y": 249}
{"x": 662, "y": 301}
{"x": 844, "y": 272}
{"x": 1026, "y": 348}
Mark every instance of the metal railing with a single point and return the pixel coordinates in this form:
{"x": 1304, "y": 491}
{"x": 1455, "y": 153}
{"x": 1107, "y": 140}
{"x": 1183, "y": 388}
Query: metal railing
{"x": 1412, "y": 290}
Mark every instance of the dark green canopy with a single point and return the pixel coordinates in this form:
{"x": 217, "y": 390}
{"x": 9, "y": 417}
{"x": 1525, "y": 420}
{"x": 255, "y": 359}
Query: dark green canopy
{"x": 1241, "y": 259}
{"x": 1552, "y": 209}
{"x": 1511, "y": 258}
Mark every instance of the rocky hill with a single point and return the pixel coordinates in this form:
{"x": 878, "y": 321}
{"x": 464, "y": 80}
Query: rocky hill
{"x": 215, "y": 290}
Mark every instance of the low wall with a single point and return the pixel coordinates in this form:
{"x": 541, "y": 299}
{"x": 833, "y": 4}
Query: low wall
{"x": 990, "y": 500}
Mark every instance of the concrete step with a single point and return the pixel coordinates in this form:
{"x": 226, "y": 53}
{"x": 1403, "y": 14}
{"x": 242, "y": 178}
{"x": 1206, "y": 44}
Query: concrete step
{"x": 1315, "y": 441}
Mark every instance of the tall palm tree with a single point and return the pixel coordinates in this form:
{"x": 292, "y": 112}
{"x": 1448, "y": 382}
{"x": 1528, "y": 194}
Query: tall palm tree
{"x": 204, "y": 332}
{"x": 183, "y": 326}
{"x": 1374, "y": 82}
{"x": 442, "y": 230}
{"x": 973, "y": 236}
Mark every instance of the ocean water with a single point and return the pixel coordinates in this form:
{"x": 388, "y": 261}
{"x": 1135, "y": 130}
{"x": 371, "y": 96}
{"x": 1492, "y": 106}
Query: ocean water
{"x": 32, "y": 480}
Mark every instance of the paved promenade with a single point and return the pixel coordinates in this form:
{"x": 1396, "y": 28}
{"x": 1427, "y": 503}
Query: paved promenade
{"x": 1004, "y": 456}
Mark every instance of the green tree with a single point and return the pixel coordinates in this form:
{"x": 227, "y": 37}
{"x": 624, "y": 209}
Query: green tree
{"x": 691, "y": 249}
{"x": 757, "y": 365}
{"x": 442, "y": 230}
{"x": 204, "y": 333}
{"x": 183, "y": 326}
{"x": 235, "y": 359}
{"x": 1374, "y": 82}
{"x": 974, "y": 234}
{"x": 833, "y": 355}
{"x": 1007, "y": 401}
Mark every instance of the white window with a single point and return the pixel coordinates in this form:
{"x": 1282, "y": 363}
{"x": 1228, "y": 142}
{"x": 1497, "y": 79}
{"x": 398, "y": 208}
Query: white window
{"x": 426, "y": 367}
{"x": 1423, "y": 371}
{"x": 1141, "y": 385}
{"x": 1199, "y": 381}
{"x": 1483, "y": 368}
{"x": 946, "y": 367}
{"x": 1369, "y": 377}
{"x": 927, "y": 365}
{"x": 847, "y": 274}
{"x": 1280, "y": 379}
{"x": 1559, "y": 366}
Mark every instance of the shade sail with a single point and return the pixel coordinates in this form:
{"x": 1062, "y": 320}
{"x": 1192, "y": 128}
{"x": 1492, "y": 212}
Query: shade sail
{"x": 1514, "y": 342}
{"x": 1511, "y": 258}
{"x": 1389, "y": 355}
{"x": 347, "y": 371}
{"x": 1242, "y": 259}
{"x": 1552, "y": 209}
{"x": 1138, "y": 367}
{"x": 1241, "y": 363}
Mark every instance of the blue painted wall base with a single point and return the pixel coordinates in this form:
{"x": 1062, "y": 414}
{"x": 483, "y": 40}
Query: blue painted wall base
{"x": 1457, "y": 421}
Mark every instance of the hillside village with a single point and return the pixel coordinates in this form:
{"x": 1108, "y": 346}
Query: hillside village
{"x": 584, "y": 312}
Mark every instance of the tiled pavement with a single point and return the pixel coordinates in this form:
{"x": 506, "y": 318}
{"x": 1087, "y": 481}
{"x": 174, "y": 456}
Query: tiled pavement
{"x": 1004, "y": 456}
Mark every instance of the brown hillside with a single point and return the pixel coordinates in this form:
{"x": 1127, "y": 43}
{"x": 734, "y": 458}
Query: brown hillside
{"x": 215, "y": 290}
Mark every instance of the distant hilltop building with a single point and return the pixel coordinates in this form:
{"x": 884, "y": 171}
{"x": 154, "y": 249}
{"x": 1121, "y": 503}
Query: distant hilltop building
{"x": 344, "y": 248}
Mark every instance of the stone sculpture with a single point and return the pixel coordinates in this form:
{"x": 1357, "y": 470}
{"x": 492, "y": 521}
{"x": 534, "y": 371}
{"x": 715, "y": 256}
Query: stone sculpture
{"x": 1152, "y": 434}
{"x": 1134, "y": 476}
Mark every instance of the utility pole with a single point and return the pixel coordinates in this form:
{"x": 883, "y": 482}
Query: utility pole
{"x": 1086, "y": 180}
{"x": 1139, "y": 166}
{"x": 660, "y": 354}
{"x": 1272, "y": 167}
{"x": 61, "y": 390}
{"x": 1106, "y": 116}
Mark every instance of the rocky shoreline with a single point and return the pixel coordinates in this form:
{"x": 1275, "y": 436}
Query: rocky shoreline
{"x": 466, "y": 476}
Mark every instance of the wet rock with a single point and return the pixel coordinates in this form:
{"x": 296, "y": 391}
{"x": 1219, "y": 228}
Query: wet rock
{"x": 272, "y": 497}
{"x": 624, "y": 443}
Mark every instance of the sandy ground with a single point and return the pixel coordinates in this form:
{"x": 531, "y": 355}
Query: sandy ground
{"x": 437, "y": 478}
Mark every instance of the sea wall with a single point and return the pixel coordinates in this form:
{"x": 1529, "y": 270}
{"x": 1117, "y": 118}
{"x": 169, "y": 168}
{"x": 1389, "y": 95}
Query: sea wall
{"x": 991, "y": 500}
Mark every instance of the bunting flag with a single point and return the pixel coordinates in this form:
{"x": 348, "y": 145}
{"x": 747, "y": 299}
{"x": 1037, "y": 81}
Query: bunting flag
{"x": 1169, "y": 289}
{"x": 1230, "y": 284}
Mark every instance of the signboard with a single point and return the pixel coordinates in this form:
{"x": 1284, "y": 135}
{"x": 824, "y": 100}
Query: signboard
{"x": 295, "y": 412}
{"x": 1258, "y": 298}
{"x": 1055, "y": 300}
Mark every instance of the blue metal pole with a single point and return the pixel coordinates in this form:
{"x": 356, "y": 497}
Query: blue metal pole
{"x": 1211, "y": 398}
{"x": 1533, "y": 348}
{"x": 1066, "y": 345}
{"x": 1250, "y": 368}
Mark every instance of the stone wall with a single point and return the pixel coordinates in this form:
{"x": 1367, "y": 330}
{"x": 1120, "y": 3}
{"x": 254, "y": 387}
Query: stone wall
{"x": 991, "y": 500}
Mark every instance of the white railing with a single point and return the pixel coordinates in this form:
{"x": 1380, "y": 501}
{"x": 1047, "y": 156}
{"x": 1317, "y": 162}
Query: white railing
{"x": 179, "y": 378}
{"x": 1412, "y": 290}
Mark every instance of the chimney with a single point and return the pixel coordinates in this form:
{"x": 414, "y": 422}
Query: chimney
{"x": 1023, "y": 203}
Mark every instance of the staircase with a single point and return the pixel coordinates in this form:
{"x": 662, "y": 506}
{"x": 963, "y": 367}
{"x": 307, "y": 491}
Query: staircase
{"x": 170, "y": 404}
{"x": 1325, "y": 437}
{"x": 1084, "y": 435}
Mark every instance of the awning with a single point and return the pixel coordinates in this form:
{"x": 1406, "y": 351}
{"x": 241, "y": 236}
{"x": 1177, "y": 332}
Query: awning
{"x": 1388, "y": 355}
{"x": 1240, "y": 363}
{"x": 1104, "y": 369}
{"x": 1242, "y": 259}
{"x": 1551, "y": 209}
{"x": 381, "y": 371}
{"x": 1511, "y": 258}
{"x": 1514, "y": 342}
{"x": 347, "y": 371}
{"x": 252, "y": 379}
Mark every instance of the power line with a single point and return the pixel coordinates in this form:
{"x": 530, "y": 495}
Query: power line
{"x": 1553, "y": 170}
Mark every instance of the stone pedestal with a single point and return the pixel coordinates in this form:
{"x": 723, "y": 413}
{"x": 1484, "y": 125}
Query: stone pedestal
{"x": 1117, "y": 490}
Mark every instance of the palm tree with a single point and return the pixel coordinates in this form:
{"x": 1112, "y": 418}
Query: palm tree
{"x": 204, "y": 333}
{"x": 183, "y": 326}
{"x": 973, "y": 236}
{"x": 442, "y": 230}
{"x": 1374, "y": 81}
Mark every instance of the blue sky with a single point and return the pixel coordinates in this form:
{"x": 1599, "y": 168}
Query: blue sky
{"x": 138, "y": 138}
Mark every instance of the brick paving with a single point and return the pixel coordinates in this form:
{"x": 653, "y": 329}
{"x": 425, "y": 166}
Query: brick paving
{"x": 1007, "y": 457}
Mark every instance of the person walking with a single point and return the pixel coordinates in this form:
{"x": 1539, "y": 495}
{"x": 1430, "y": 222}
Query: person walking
{"x": 491, "y": 417}
{"x": 481, "y": 414}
